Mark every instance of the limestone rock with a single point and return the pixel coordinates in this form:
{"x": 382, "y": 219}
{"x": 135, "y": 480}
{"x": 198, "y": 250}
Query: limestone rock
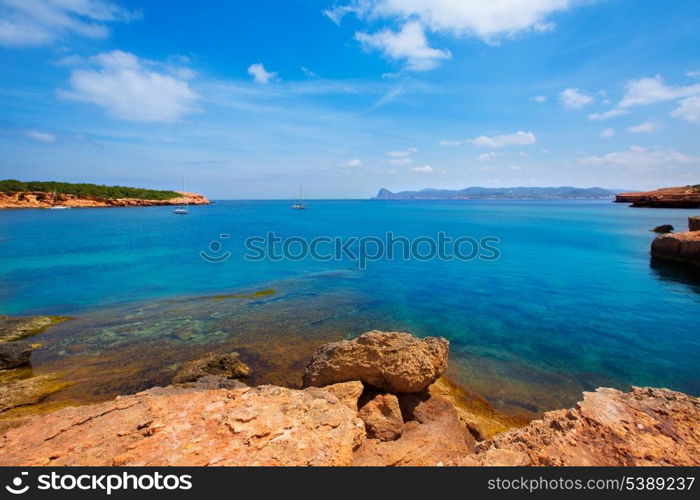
{"x": 347, "y": 392}
{"x": 681, "y": 247}
{"x": 694, "y": 223}
{"x": 382, "y": 417}
{"x": 433, "y": 435}
{"x": 608, "y": 428}
{"x": 221, "y": 365}
{"x": 389, "y": 361}
{"x": 28, "y": 391}
{"x": 14, "y": 354}
{"x": 177, "y": 425}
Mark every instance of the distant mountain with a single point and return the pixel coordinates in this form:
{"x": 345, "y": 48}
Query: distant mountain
{"x": 481, "y": 193}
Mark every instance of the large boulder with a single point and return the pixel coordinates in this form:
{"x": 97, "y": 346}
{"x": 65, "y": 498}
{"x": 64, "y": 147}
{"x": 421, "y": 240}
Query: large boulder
{"x": 389, "y": 361}
{"x": 221, "y": 365}
{"x": 14, "y": 354}
{"x": 191, "y": 426}
{"x": 681, "y": 247}
{"x": 643, "y": 427}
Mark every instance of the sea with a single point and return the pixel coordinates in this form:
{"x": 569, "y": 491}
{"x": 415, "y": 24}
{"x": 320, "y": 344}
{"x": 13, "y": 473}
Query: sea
{"x": 543, "y": 300}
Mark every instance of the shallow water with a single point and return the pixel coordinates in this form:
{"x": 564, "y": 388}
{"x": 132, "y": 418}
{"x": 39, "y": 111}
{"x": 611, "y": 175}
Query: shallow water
{"x": 574, "y": 302}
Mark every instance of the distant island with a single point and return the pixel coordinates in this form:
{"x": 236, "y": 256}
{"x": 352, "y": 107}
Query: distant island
{"x": 35, "y": 194}
{"x": 672, "y": 197}
{"x": 482, "y": 193}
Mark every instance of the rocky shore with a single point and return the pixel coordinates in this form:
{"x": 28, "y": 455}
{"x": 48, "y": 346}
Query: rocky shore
{"x": 379, "y": 399}
{"x": 680, "y": 247}
{"x": 673, "y": 197}
{"x": 40, "y": 199}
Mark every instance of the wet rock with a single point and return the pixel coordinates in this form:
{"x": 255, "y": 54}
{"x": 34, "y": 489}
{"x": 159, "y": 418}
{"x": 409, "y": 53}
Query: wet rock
{"x": 177, "y": 425}
{"x": 608, "y": 428}
{"x": 221, "y": 365}
{"x": 28, "y": 391}
{"x": 389, "y": 361}
{"x": 20, "y": 327}
{"x": 664, "y": 228}
{"x": 382, "y": 416}
{"x": 14, "y": 354}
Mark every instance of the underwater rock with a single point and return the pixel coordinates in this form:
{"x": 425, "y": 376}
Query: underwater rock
{"x": 20, "y": 327}
{"x": 222, "y": 365}
{"x": 29, "y": 390}
{"x": 389, "y": 361}
{"x": 382, "y": 416}
{"x": 608, "y": 428}
{"x": 14, "y": 354}
{"x": 663, "y": 228}
{"x": 182, "y": 426}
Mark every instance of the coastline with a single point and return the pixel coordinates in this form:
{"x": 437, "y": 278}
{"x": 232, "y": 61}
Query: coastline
{"x": 376, "y": 400}
{"x": 41, "y": 199}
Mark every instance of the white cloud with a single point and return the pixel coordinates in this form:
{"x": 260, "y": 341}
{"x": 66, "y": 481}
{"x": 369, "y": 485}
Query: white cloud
{"x": 485, "y": 19}
{"x": 260, "y": 74}
{"x": 33, "y": 23}
{"x": 574, "y": 98}
{"x": 607, "y": 114}
{"x": 645, "y": 127}
{"x": 128, "y": 87}
{"x": 641, "y": 157}
{"x": 401, "y": 161}
{"x": 500, "y": 141}
{"x": 539, "y": 99}
{"x": 488, "y": 156}
{"x": 409, "y": 44}
{"x": 689, "y": 109}
{"x": 445, "y": 142}
{"x": 692, "y": 74}
{"x": 608, "y": 132}
{"x": 425, "y": 169}
{"x": 308, "y": 72}
{"x": 44, "y": 137}
{"x": 355, "y": 162}
{"x": 401, "y": 154}
{"x": 650, "y": 90}
{"x": 515, "y": 167}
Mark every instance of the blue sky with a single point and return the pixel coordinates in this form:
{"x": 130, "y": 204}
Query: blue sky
{"x": 249, "y": 99}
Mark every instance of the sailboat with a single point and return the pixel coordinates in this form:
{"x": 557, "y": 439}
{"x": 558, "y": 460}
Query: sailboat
{"x": 297, "y": 204}
{"x": 53, "y": 203}
{"x": 183, "y": 209}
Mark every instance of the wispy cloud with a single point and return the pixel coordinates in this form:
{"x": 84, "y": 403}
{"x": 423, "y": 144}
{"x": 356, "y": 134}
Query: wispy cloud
{"x": 425, "y": 169}
{"x": 645, "y": 127}
{"x": 689, "y": 109}
{"x": 500, "y": 141}
{"x": 43, "y": 137}
{"x": 574, "y": 98}
{"x": 33, "y": 23}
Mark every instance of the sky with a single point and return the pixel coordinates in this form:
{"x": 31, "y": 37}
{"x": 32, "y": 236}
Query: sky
{"x": 250, "y": 99}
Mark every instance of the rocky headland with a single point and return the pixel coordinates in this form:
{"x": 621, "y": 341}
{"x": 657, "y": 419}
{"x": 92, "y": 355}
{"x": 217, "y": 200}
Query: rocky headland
{"x": 379, "y": 399}
{"x": 680, "y": 247}
{"x": 673, "y": 197}
{"x": 41, "y": 199}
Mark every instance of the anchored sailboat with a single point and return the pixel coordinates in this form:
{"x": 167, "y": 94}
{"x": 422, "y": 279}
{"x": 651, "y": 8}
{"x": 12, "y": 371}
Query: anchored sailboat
{"x": 183, "y": 209}
{"x": 298, "y": 204}
{"x": 53, "y": 203}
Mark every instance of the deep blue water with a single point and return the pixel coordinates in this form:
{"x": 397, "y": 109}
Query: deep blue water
{"x": 573, "y": 302}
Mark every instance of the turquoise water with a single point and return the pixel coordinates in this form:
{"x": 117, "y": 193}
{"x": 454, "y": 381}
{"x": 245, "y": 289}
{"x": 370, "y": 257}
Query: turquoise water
{"x": 573, "y": 302}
